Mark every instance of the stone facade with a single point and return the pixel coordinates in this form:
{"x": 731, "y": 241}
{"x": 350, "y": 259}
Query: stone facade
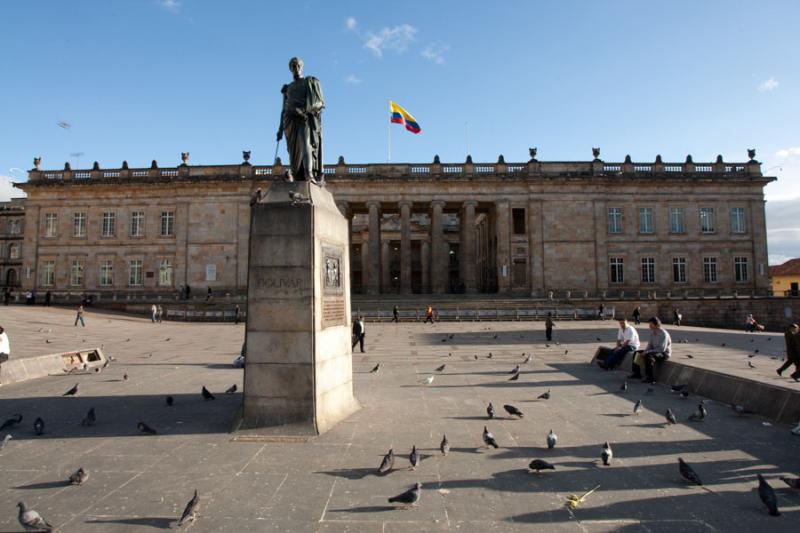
{"x": 591, "y": 228}
{"x": 12, "y": 227}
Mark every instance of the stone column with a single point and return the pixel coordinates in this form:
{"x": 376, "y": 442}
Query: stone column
{"x": 386, "y": 273}
{"x": 424, "y": 256}
{"x": 405, "y": 247}
{"x": 468, "y": 251}
{"x": 373, "y": 265}
{"x": 502, "y": 231}
{"x": 439, "y": 266}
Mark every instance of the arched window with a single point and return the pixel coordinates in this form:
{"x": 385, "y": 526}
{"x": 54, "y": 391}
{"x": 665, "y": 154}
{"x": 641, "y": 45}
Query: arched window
{"x": 11, "y": 278}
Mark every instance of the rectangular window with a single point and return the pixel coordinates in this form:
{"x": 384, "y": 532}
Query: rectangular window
{"x": 676, "y": 220}
{"x": 741, "y": 269}
{"x": 737, "y": 220}
{"x": 646, "y": 223}
{"x": 15, "y": 227}
{"x": 707, "y": 220}
{"x": 165, "y": 273}
{"x": 617, "y": 268}
{"x": 48, "y": 273}
{"x": 107, "y": 273}
{"x": 679, "y": 269}
{"x": 14, "y": 251}
{"x": 167, "y": 223}
{"x": 51, "y": 225}
{"x": 648, "y": 270}
{"x": 137, "y": 224}
{"x": 615, "y": 220}
{"x": 135, "y": 272}
{"x": 79, "y": 224}
{"x": 109, "y": 225}
{"x": 518, "y": 220}
{"x": 710, "y": 269}
{"x": 76, "y": 273}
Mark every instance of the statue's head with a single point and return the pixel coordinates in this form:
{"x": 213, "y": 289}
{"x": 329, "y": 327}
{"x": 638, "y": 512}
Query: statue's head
{"x": 296, "y": 66}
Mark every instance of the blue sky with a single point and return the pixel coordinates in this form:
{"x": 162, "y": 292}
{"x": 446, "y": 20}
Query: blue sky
{"x": 148, "y": 79}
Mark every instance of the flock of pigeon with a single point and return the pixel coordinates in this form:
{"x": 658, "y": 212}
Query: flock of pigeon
{"x": 412, "y": 496}
{"x": 32, "y": 520}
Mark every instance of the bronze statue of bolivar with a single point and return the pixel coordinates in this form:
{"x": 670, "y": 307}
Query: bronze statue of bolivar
{"x": 301, "y": 121}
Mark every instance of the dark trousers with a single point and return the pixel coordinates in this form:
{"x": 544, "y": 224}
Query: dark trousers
{"x": 636, "y": 320}
{"x": 428, "y": 319}
{"x": 789, "y": 362}
{"x": 359, "y": 339}
{"x": 616, "y": 356}
{"x": 650, "y": 359}
{"x": 395, "y": 318}
{"x": 79, "y": 317}
{"x": 548, "y": 333}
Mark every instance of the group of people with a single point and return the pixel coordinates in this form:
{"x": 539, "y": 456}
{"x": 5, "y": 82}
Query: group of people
{"x": 659, "y": 348}
{"x": 156, "y": 313}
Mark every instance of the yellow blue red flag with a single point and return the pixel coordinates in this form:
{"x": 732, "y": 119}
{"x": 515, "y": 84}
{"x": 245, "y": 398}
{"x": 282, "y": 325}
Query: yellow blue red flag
{"x": 401, "y": 116}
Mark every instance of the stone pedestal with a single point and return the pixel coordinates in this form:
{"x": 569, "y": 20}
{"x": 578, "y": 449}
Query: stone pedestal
{"x": 298, "y": 369}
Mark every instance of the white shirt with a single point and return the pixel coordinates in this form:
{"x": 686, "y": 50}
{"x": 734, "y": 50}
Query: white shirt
{"x": 629, "y": 334}
{"x": 5, "y": 347}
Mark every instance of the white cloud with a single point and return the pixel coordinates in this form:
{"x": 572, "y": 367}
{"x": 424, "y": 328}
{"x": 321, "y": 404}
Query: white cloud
{"x": 172, "y": 6}
{"x": 786, "y": 152}
{"x": 769, "y": 85}
{"x": 351, "y": 23}
{"x": 435, "y": 52}
{"x": 7, "y": 190}
{"x": 396, "y": 39}
{"x": 783, "y": 230}
{"x": 353, "y": 79}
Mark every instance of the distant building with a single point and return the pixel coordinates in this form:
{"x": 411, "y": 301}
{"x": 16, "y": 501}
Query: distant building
{"x": 785, "y": 278}
{"x": 12, "y": 231}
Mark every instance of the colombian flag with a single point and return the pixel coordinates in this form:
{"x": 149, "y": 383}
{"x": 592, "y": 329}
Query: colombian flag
{"x": 401, "y": 116}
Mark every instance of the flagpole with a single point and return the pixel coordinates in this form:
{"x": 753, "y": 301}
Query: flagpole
{"x": 389, "y": 138}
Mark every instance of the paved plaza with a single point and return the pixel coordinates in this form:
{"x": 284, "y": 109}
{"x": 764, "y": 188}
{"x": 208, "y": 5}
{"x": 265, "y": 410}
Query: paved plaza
{"x": 142, "y": 482}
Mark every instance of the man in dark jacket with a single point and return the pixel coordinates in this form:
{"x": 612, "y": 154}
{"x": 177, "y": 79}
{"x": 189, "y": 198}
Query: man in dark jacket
{"x": 792, "y": 337}
{"x": 359, "y": 330}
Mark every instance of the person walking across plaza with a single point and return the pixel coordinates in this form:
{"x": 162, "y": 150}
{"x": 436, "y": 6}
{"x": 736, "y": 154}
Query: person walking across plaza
{"x": 659, "y": 348}
{"x": 5, "y": 347}
{"x": 548, "y": 326}
{"x": 792, "y": 337}
{"x": 677, "y": 317}
{"x": 237, "y": 313}
{"x": 600, "y": 311}
{"x": 359, "y": 331}
{"x": 159, "y": 313}
{"x": 627, "y": 341}
{"x": 396, "y": 314}
{"x": 153, "y": 313}
{"x": 429, "y": 314}
{"x": 79, "y": 316}
{"x": 637, "y": 315}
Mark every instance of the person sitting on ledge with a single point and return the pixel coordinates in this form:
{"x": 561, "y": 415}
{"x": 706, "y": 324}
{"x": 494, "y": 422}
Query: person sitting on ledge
{"x": 627, "y": 341}
{"x": 658, "y": 349}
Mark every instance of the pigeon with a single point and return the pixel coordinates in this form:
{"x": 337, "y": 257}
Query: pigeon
{"x": 451, "y": 336}
{"x": 688, "y": 473}
{"x": 11, "y": 422}
{"x": 490, "y": 411}
{"x": 489, "y": 356}
{"x": 375, "y": 369}
{"x": 552, "y": 439}
{"x": 767, "y": 495}
{"x": 413, "y": 458}
{"x": 190, "y": 512}
{"x": 5, "y": 440}
{"x": 684, "y": 394}
{"x": 144, "y": 428}
{"x": 751, "y": 355}
{"x": 444, "y": 445}
{"x": 750, "y": 364}
{"x": 527, "y": 360}
{"x": 410, "y": 497}
{"x": 637, "y": 407}
{"x": 495, "y": 336}
{"x": 689, "y": 356}
{"x": 170, "y": 401}
{"x": 540, "y": 464}
{"x": 428, "y": 380}
{"x": 515, "y": 377}
{"x": 38, "y": 426}
{"x": 79, "y": 477}
{"x": 440, "y": 368}
{"x": 624, "y": 386}
{"x": 488, "y": 439}
{"x": 31, "y": 520}
{"x": 566, "y": 352}
{"x": 670, "y": 416}
{"x": 476, "y": 357}
{"x": 89, "y": 419}
{"x": 513, "y": 411}
{"x": 232, "y": 389}
{"x": 124, "y": 377}
{"x": 700, "y": 414}
{"x": 792, "y": 482}
{"x": 206, "y": 394}
{"x": 607, "y": 454}
{"x": 598, "y": 339}
{"x": 387, "y": 464}
{"x": 678, "y": 388}
{"x": 544, "y": 395}
{"x": 755, "y": 351}
{"x": 723, "y": 345}
{"x": 515, "y": 370}
{"x": 72, "y": 392}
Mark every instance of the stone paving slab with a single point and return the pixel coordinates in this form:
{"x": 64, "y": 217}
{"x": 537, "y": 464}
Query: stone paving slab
{"x": 141, "y": 483}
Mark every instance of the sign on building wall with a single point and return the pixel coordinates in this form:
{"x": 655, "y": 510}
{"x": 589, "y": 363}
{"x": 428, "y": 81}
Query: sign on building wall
{"x": 211, "y": 272}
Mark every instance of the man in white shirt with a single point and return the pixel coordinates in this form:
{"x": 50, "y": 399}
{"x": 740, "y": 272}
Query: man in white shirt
{"x": 5, "y": 347}
{"x": 627, "y": 341}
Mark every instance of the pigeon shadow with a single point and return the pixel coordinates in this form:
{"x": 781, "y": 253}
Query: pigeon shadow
{"x": 44, "y": 485}
{"x": 157, "y": 522}
{"x": 366, "y": 509}
{"x": 353, "y": 473}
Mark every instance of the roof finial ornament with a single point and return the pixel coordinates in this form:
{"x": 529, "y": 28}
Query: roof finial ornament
{"x": 532, "y": 152}
{"x": 751, "y": 153}
{"x": 185, "y": 159}
{"x": 596, "y": 153}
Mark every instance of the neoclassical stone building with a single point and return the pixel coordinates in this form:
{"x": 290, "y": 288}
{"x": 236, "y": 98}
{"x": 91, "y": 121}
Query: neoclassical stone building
{"x": 12, "y": 224}
{"x": 590, "y": 228}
